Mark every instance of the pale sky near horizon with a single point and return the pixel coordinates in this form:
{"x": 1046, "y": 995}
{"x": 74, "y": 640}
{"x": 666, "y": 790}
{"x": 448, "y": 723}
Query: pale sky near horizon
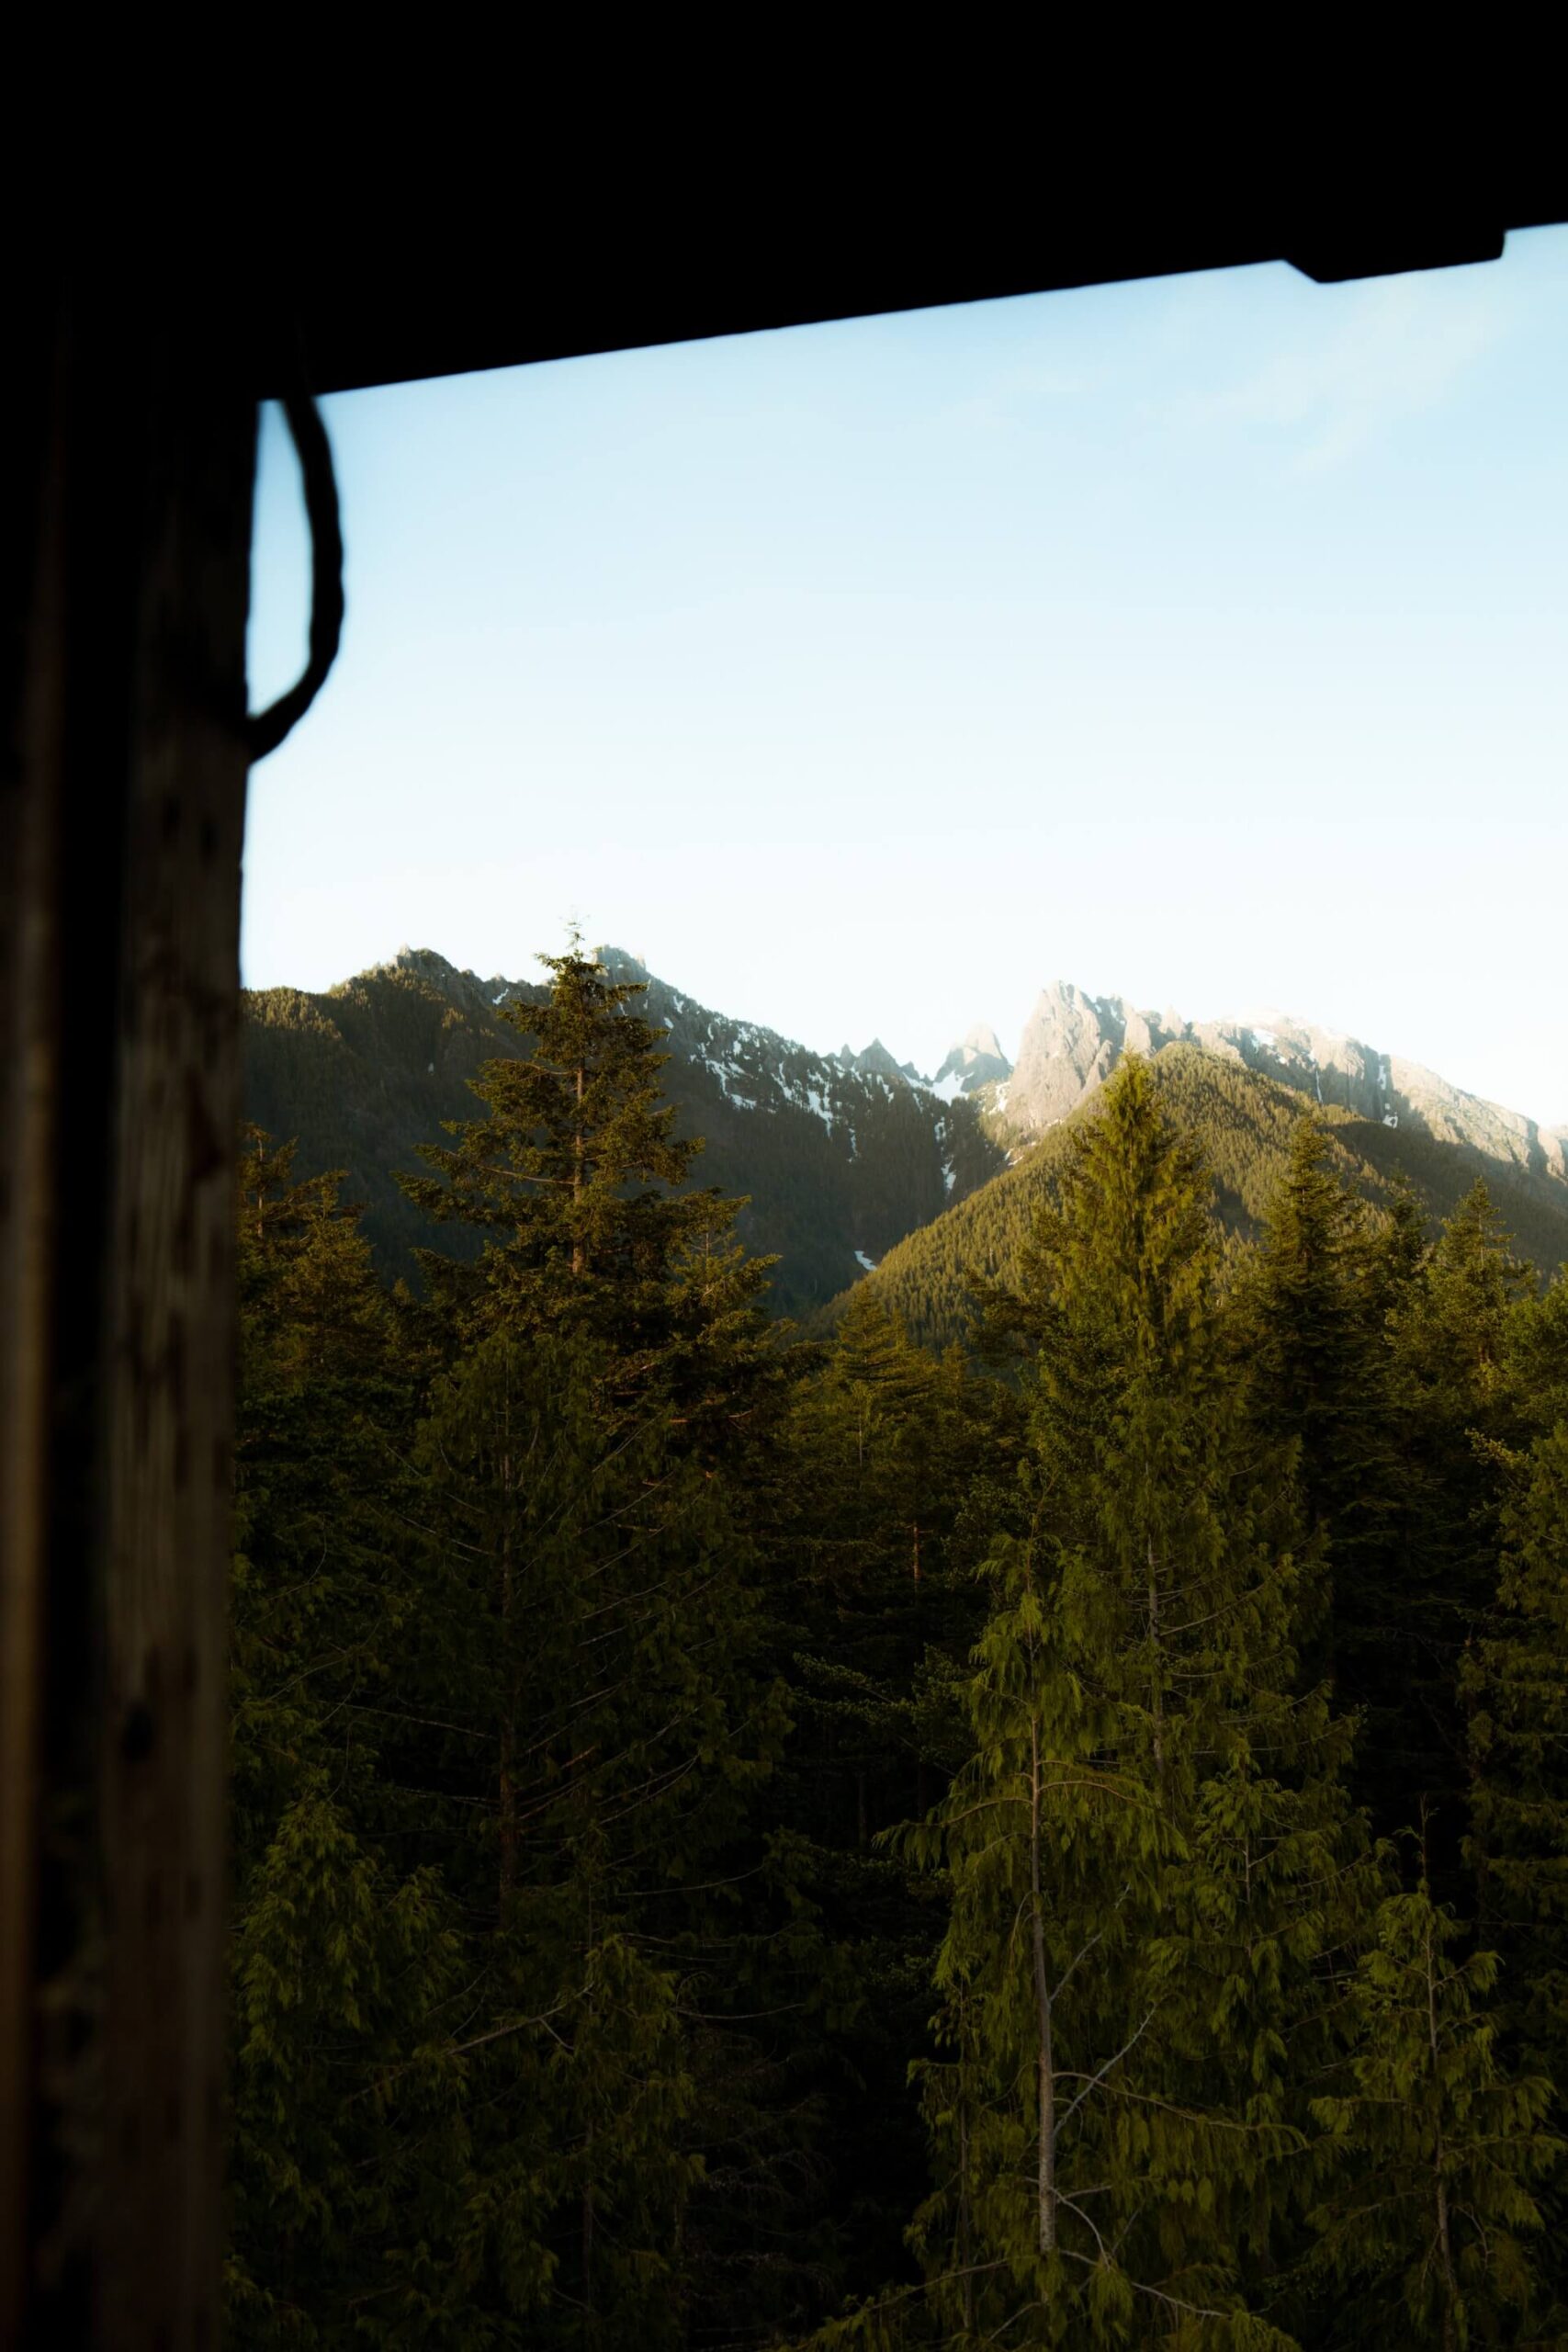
{"x": 1202, "y": 640}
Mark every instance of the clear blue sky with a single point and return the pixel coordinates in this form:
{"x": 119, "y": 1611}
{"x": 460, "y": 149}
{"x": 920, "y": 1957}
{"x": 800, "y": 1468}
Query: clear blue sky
{"x": 1204, "y": 641}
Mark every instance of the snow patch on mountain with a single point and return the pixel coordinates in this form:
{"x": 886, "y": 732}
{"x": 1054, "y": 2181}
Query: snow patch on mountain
{"x": 976, "y": 1061}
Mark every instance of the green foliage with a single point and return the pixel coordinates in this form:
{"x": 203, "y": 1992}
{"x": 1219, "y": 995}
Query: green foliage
{"x": 365, "y": 1073}
{"x": 341, "y": 1974}
{"x": 596, "y": 1667}
{"x": 643, "y": 1721}
{"x": 878, "y": 1504}
{"x": 342, "y": 1957}
{"x": 1515, "y": 1684}
{"x": 572, "y": 1176}
{"x": 1246, "y": 1124}
{"x": 1149, "y": 1856}
{"x": 1311, "y": 1318}
{"x": 1464, "y": 1416}
{"x": 1431, "y": 2230}
{"x": 1516, "y": 1681}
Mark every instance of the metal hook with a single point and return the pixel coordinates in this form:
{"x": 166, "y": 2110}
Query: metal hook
{"x": 265, "y": 731}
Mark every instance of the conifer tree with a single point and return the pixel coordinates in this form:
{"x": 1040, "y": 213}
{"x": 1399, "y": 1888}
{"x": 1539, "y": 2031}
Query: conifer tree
{"x": 598, "y": 1699}
{"x": 343, "y": 1959}
{"x": 1430, "y": 2229}
{"x": 1149, "y": 1853}
{"x": 578, "y": 1185}
{"x": 1313, "y": 1345}
{"x": 498, "y": 1707}
{"x": 1311, "y": 1316}
{"x": 1464, "y": 1419}
{"x": 883, "y": 1444}
{"x": 1535, "y": 1343}
{"x": 1396, "y": 1253}
{"x": 584, "y": 1653}
{"x": 1516, "y": 1683}
{"x": 874, "y": 1615}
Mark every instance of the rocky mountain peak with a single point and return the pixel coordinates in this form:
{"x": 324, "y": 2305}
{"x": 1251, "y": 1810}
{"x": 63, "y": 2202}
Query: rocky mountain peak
{"x": 620, "y": 962}
{"x": 876, "y": 1061}
{"x": 1073, "y": 1041}
{"x": 975, "y": 1061}
{"x": 427, "y": 961}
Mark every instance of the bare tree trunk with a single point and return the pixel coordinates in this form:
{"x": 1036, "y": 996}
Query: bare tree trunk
{"x": 965, "y": 2230}
{"x": 1156, "y": 1676}
{"x": 587, "y": 2213}
{"x": 508, "y": 1789}
{"x": 1046, "y": 2171}
{"x": 577, "y": 1178}
{"x": 592, "y": 2316}
{"x": 1445, "y": 2239}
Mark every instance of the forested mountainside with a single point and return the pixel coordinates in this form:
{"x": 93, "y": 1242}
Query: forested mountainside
{"x": 741, "y": 1845}
{"x": 840, "y": 1156}
{"x": 1245, "y": 1121}
{"x": 851, "y": 1162}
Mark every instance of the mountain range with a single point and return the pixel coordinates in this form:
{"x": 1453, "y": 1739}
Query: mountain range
{"x": 854, "y": 1164}
{"x": 1072, "y": 1042}
{"x": 839, "y": 1155}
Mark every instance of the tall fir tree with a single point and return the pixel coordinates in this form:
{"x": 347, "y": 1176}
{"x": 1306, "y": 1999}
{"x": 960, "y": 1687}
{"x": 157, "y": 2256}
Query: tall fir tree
{"x": 1152, "y": 1864}
{"x": 1311, "y": 1318}
{"x": 1516, "y": 1683}
{"x": 590, "y": 1735}
{"x": 602, "y": 1675}
{"x": 344, "y": 1959}
{"x": 1431, "y": 2230}
{"x": 578, "y": 1186}
{"x": 1465, "y": 1417}
{"x": 872, "y": 1533}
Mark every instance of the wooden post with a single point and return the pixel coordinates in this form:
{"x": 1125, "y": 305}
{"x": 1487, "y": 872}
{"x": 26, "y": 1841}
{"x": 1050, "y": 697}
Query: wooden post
{"x": 30, "y": 548}
{"x": 121, "y": 831}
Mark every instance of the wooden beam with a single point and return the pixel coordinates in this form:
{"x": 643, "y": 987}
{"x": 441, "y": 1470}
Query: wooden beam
{"x": 120, "y": 833}
{"x": 30, "y": 540}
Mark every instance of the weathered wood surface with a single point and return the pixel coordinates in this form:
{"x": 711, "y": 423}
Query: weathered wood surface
{"x": 121, "y": 832}
{"x": 30, "y": 859}
{"x": 170, "y": 1381}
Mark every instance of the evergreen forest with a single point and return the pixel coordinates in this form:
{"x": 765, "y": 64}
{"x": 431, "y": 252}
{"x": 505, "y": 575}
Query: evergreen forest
{"x": 1055, "y": 1836}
